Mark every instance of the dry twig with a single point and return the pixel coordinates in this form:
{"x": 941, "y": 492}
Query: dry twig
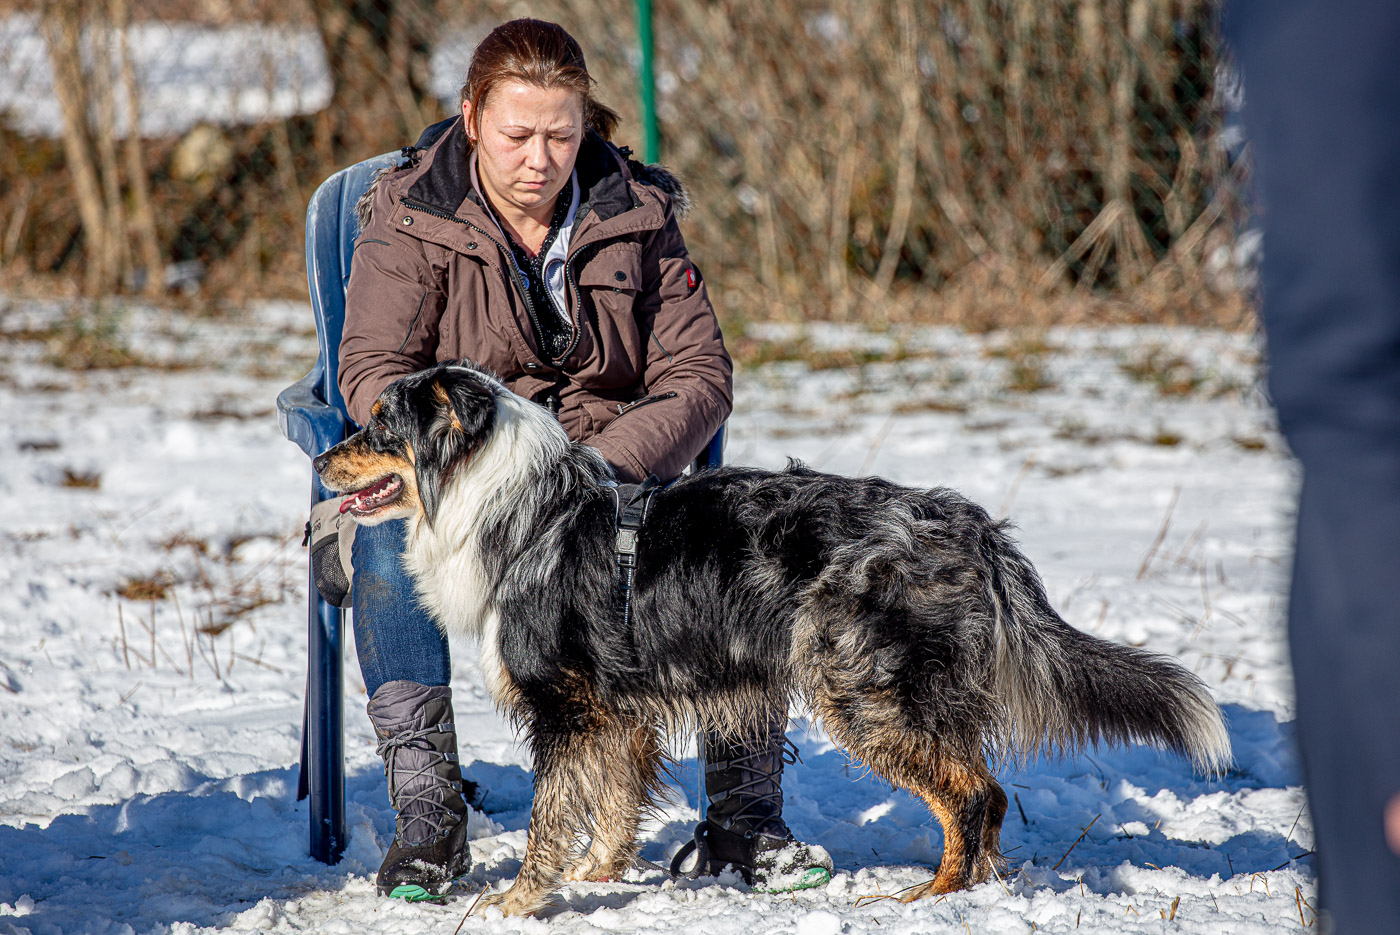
{"x": 1082, "y": 835}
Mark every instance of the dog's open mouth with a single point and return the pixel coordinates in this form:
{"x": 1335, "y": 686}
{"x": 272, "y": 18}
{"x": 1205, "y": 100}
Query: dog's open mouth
{"x": 375, "y": 497}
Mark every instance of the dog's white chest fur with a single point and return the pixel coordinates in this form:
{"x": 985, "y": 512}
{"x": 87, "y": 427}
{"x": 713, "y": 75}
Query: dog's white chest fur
{"x": 448, "y": 560}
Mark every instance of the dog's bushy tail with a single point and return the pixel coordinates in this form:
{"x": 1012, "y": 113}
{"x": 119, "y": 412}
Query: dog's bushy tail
{"x": 1064, "y": 689}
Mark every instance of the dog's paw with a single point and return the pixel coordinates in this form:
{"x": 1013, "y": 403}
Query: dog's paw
{"x": 592, "y": 869}
{"x": 514, "y": 903}
{"x": 938, "y": 886}
{"x": 580, "y": 873}
{"x": 588, "y": 872}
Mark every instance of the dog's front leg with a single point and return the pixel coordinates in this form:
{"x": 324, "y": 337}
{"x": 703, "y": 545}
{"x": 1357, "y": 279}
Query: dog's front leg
{"x": 620, "y": 773}
{"x": 553, "y": 824}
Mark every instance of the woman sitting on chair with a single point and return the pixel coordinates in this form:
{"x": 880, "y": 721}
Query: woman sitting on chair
{"x": 518, "y": 236}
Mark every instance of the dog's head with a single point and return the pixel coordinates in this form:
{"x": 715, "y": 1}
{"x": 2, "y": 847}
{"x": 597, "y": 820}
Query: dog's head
{"x": 422, "y": 429}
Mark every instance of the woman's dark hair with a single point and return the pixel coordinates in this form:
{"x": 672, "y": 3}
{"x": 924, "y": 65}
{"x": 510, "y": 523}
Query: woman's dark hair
{"x": 534, "y": 52}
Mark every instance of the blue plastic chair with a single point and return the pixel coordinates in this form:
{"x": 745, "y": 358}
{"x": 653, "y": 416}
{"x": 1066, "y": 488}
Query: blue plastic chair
{"x": 312, "y": 414}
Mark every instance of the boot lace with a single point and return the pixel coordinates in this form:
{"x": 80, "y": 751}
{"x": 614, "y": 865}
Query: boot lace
{"x": 427, "y": 805}
{"x": 767, "y": 805}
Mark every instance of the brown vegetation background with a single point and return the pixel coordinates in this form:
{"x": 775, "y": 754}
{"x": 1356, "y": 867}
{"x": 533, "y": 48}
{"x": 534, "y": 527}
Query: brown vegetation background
{"x": 979, "y": 162}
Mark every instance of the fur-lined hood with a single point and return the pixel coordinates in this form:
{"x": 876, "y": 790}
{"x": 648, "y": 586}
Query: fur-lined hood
{"x": 604, "y": 171}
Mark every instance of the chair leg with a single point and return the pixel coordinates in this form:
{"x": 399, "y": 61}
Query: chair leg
{"x": 324, "y": 737}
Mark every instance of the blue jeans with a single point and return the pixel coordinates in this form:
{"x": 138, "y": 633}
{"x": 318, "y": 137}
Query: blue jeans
{"x": 395, "y": 636}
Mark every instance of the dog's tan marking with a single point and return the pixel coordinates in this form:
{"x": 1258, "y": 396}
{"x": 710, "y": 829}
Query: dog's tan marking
{"x": 376, "y": 408}
{"x": 991, "y": 829}
{"x": 960, "y": 793}
{"x": 945, "y": 768}
{"x": 353, "y": 467}
{"x": 630, "y": 763}
{"x": 443, "y": 400}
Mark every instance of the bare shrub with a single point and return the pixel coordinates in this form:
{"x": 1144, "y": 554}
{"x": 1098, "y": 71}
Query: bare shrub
{"x": 977, "y": 162}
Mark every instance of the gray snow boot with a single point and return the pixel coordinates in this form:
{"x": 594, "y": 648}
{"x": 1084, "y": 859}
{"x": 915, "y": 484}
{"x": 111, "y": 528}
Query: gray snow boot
{"x": 418, "y": 742}
{"x": 744, "y": 825}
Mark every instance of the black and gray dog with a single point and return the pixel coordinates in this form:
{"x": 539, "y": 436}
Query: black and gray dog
{"x": 907, "y": 620}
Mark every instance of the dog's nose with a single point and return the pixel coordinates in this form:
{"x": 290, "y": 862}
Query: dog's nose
{"x": 318, "y": 463}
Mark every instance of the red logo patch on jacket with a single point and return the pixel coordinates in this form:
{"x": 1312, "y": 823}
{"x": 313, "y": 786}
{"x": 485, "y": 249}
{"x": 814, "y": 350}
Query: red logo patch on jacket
{"x": 690, "y": 279}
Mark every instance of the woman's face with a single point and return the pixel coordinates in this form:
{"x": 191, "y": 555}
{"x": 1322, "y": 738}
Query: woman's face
{"x": 528, "y": 140}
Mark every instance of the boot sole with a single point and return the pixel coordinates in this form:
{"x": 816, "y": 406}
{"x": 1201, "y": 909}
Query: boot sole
{"x": 414, "y": 893}
{"x": 811, "y": 878}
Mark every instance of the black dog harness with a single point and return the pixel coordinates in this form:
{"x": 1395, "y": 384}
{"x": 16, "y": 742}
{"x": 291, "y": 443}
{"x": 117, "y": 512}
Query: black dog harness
{"x": 630, "y": 505}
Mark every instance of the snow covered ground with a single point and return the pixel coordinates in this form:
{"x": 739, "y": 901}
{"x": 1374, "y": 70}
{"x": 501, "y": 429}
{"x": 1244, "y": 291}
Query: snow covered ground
{"x": 152, "y": 631}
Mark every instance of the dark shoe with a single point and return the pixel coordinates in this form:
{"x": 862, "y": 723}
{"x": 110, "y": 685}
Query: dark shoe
{"x": 744, "y": 825}
{"x": 769, "y": 863}
{"x": 418, "y": 742}
{"x": 424, "y": 871}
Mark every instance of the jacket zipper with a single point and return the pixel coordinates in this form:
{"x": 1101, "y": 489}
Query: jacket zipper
{"x": 654, "y": 398}
{"x": 572, "y": 284}
{"x": 510, "y": 259}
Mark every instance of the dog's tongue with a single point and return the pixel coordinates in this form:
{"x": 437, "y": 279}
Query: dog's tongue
{"x": 367, "y": 499}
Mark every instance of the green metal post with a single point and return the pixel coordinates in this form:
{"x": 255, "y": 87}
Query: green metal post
{"x": 652, "y": 141}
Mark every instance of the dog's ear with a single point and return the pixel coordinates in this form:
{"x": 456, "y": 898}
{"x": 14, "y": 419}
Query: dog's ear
{"x": 468, "y": 401}
{"x": 456, "y": 414}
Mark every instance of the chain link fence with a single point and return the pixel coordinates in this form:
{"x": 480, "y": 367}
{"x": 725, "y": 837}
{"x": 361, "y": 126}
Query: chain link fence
{"x": 980, "y": 162}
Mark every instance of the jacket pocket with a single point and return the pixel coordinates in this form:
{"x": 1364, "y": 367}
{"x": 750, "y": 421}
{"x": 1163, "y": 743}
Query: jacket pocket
{"x": 616, "y": 269}
{"x": 603, "y": 412}
{"x": 609, "y": 286}
{"x": 624, "y": 408}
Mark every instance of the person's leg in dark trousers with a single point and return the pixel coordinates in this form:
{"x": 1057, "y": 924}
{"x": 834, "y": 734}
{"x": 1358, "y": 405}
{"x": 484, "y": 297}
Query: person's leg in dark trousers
{"x": 1322, "y": 111}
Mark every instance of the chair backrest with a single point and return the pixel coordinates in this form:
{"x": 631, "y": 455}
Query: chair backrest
{"x": 331, "y": 229}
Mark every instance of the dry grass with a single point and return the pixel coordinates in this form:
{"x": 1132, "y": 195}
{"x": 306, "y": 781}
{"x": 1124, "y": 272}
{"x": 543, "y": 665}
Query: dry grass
{"x": 972, "y": 163}
{"x": 1025, "y": 354}
{"x": 986, "y": 165}
{"x": 1170, "y": 374}
{"x": 930, "y": 405}
{"x": 226, "y": 408}
{"x": 79, "y": 479}
{"x": 1022, "y": 345}
{"x": 185, "y": 540}
{"x": 154, "y": 587}
{"x": 1028, "y": 376}
{"x": 1166, "y": 439}
{"x": 749, "y": 352}
{"x": 89, "y": 336}
{"x": 211, "y": 592}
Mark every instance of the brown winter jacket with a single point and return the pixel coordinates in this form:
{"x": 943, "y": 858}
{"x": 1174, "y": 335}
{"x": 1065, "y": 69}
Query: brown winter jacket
{"x": 646, "y": 379}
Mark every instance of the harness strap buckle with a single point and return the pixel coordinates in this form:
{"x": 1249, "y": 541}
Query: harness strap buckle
{"x": 630, "y": 504}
